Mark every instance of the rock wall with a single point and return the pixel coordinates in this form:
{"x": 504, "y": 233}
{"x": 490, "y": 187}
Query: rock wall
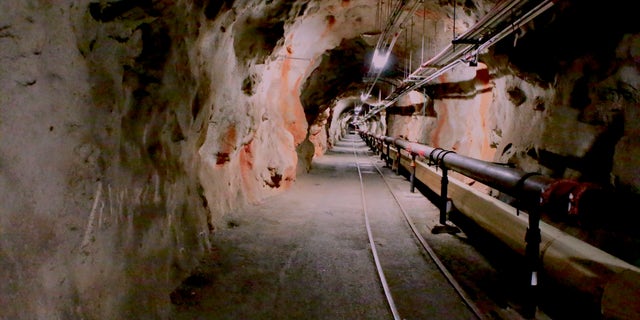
{"x": 129, "y": 128}
{"x": 101, "y": 212}
{"x": 569, "y": 113}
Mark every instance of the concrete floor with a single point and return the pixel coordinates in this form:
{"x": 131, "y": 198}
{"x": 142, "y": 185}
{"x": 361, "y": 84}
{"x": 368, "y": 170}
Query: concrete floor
{"x": 305, "y": 255}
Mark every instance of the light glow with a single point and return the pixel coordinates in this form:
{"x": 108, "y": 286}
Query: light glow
{"x": 380, "y": 59}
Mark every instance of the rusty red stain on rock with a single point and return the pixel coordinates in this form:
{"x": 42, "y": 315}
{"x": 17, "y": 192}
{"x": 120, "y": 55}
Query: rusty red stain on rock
{"x": 442, "y": 119}
{"x": 246, "y": 168}
{"x": 486, "y": 97}
{"x": 482, "y": 75}
{"x": 222, "y": 158}
{"x": 331, "y": 20}
{"x": 227, "y": 146}
{"x": 246, "y": 157}
{"x": 427, "y": 14}
{"x": 275, "y": 178}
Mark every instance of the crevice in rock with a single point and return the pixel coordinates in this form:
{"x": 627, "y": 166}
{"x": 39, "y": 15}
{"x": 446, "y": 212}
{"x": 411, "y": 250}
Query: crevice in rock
{"x": 112, "y": 10}
{"x": 276, "y": 178}
{"x": 257, "y": 40}
{"x": 222, "y": 158}
{"x": 214, "y": 7}
{"x": 516, "y": 96}
{"x": 248, "y": 85}
{"x": 189, "y": 293}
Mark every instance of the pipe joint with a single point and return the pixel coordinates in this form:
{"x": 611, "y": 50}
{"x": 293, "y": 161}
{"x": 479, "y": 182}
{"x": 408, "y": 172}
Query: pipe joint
{"x": 432, "y": 160}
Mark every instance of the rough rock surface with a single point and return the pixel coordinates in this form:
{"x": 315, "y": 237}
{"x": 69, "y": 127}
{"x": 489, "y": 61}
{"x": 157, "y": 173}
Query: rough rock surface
{"x": 128, "y": 129}
{"x": 101, "y": 211}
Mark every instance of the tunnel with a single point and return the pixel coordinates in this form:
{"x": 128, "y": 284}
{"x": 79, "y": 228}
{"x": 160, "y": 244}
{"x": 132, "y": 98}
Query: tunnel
{"x": 199, "y": 159}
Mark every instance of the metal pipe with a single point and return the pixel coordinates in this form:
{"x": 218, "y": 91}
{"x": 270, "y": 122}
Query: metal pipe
{"x": 512, "y": 181}
{"x": 605, "y": 279}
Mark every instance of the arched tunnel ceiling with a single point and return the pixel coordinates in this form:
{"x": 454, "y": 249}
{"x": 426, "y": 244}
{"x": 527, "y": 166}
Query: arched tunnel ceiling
{"x": 339, "y": 72}
{"x": 345, "y": 69}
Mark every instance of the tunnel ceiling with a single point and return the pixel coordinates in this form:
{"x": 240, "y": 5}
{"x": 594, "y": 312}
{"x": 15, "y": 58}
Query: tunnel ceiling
{"x": 555, "y": 38}
{"x": 340, "y": 72}
{"x": 345, "y": 69}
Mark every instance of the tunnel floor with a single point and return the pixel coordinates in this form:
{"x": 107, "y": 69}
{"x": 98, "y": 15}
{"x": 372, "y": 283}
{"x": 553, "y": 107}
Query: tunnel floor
{"x": 305, "y": 254}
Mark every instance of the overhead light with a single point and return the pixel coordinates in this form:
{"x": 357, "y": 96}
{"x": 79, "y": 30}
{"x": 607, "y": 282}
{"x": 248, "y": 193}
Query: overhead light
{"x": 364, "y": 97}
{"x": 380, "y": 59}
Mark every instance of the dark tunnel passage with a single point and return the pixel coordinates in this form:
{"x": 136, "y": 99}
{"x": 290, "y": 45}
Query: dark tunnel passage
{"x": 141, "y": 142}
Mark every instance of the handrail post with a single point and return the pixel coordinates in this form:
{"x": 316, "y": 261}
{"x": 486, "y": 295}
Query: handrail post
{"x": 387, "y": 161}
{"x": 397, "y": 161}
{"x": 444, "y": 183}
{"x": 412, "y": 179}
{"x": 533, "y": 238}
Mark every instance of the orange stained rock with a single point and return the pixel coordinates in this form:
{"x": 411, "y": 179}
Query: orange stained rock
{"x": 290, "y": 106}
{"x": 486, "y": 98}
{"x": 442, "y": 119}
{"x": 246, "y": 169}
{"x": 443, "y": 114}
{"x": 331, "y": 21}
{"x": 288, "y": 176}
{"x": 427, "y": 14}
{"x": 227, "y": 146}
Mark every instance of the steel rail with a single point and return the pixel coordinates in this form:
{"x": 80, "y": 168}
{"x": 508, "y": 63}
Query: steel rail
{"x": 374, "y": 251}
{"x": 432, "y": 254}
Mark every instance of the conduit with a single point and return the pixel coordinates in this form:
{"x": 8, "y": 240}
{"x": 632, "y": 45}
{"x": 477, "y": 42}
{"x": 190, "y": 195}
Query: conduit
{"x": 606, "y": 279}
{"x": 389, "y": 36}
{"x": 506, "y": 17}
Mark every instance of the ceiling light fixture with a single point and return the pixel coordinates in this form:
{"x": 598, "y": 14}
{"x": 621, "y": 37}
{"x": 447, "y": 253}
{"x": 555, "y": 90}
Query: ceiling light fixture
{"x": 380, "y": 59}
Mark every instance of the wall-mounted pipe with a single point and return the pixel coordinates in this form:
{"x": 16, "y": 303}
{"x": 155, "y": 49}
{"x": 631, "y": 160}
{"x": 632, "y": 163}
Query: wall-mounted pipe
{"x": 531, "y": 189}
{"x": 607, "y": 280}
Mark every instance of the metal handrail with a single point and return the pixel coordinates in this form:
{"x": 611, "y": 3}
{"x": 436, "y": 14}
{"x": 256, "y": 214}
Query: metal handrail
{"x": 531, "y": 189}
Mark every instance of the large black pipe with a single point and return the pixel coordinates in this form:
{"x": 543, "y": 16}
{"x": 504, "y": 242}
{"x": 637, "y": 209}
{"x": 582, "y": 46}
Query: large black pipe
{"x": 512, "y": 181}
{"x": 529, "y": 188}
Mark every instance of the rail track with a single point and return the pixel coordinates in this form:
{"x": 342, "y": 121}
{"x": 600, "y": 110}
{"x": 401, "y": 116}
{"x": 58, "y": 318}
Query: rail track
{"x": 388, "y": 227}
